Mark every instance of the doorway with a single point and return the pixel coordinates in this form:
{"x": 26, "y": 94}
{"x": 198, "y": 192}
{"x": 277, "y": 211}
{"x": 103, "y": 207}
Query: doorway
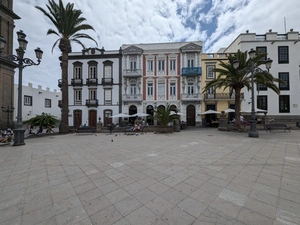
{"x": 149, "y": 110}
{"x": 190, "y": 115}
{"x": 77, "y": 118}
{"x": 210, "y": 117}
{"x": 92, "y": 118}
{"x": 107, "y": 114}
{"x": 132, "y": 110}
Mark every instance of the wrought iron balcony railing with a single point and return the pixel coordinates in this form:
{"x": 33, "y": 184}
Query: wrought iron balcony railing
{"x": 92, "y": 81}
{"x": 76, "y": 82}
{"x": 59, "y": 83}
{"x": 221, "y": 96}
{"x": 107, "y": 81}
{"x": 91, "y": 102}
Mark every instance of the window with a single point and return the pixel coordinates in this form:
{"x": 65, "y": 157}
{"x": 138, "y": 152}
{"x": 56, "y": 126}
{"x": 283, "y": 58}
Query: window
{"x": 92, "y": 94}
{"x": 150, "y": 89}
{"x": 161, "y": 65}
{"x": 132, "y": 63}
{"x": 209, "y": 72}
{"x": 172, "y": 89}
{"x": 28, "y": 100}
{"x": 283, "y": 54}
{"x": 286, "y": 78}
{"x": 211, "y": 91}
{"x": 172, "y": 64}
{"x": 93, "y": 72}
{"x": 107, "y": 97}
{"x": 149, "y": 65}
{"x": 190, "y": 61}
{"x": 48, "y": 103}
{"x": 77, "y": 73}
{"x": 262, "y": 102}
{"x": 190, "y": 86}
{"x": 161, "y": 89}
{"x": 77, "y": 97}
{"x": 262, "y": 50}
{"x": 284, "y": 103}
{"x": 133, "y": 87}
{"x": 107, "y": 71}
{"x": 261, "y": 87}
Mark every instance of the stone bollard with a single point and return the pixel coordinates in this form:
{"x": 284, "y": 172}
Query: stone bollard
{"x": 223, "y": 122}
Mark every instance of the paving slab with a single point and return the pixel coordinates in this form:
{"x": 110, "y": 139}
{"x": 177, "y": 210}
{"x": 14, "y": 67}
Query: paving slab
{"x": 197, "y": 176}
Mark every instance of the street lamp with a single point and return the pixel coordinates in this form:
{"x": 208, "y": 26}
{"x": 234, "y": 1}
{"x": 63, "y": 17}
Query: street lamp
{"x": 7, "y": 110}
{"x": 22, "y": 63}
{"x": 253, "y": 70}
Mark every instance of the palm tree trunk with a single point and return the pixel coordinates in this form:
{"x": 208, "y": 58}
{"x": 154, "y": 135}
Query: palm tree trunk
{"x": 64, "y": 125}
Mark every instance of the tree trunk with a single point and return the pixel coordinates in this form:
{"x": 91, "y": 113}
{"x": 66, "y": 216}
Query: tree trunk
{"x": 237, "y": 106}
{"x": 64, "y": 125}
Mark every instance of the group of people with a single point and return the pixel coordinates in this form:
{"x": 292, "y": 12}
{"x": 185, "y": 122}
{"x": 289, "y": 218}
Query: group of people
{"x": 6, "y": 136}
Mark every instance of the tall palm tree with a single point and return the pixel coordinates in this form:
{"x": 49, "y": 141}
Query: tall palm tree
{"x": 236, "y": 79}
{"x": 69, "y": 25}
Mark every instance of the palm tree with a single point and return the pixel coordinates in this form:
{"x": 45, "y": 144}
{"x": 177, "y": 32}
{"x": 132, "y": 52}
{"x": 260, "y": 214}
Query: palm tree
{"x": 163, "y": 116}
{"x": 237, "y": 79}
{"x": 43, "y": 120}
{"x": 68, "y": 23}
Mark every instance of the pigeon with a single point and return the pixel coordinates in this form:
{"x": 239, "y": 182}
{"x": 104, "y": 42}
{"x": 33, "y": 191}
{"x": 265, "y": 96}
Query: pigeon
{"x": 112, "y": 140}
{"x": 116, "y": 135}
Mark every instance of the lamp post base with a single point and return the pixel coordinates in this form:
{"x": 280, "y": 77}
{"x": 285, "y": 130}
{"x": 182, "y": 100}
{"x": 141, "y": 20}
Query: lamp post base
{"x": 253, "y": 134}
{"x": 19, "y": 136}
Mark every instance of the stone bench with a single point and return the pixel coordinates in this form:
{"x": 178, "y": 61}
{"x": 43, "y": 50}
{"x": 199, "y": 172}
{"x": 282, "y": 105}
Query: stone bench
{"x": 85, "y": 130}
{"x": 277, "y": 126}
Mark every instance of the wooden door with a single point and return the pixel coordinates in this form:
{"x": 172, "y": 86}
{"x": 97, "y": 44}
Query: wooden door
{"x": 107, "y": 120}
{"x": 77, "y": 118}
{"x": 92, "y": 118}
{"x": 190, "y": 116}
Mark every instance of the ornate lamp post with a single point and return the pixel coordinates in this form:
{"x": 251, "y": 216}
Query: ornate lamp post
{"x": 22, "y": 63}
{"x": 253, "y": 70}
{"x": 7, "y": 110}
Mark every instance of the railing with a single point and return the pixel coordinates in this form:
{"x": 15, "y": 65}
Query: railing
{"x": 136, "y": 97}
{"x": 92, "y": 81}
{"x": 76, "y": 82}
{"x": 107, "y": 81}
{"x": 59, "y": 83}
{"x": 132, "y": 72}
{"x": 221, "y": 96}
{"x": 91, "y": 102}
{"x": 191, "y": 71}
{"x": 59, "y": 103}
{"x": 260, "y": 37}
{"x": 191, "y": 97}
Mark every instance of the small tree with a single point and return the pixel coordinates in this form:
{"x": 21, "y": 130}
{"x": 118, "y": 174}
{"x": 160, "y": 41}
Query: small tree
{"x": 43, "y": 120}
{"x": 163, "y": 116}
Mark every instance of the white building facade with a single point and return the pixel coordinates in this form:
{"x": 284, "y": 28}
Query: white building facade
{"x": 36, "y": 101}
{"x": 157, "y": 74}
{"x": 94, "y": 86}
{"x": 284, "y": 50}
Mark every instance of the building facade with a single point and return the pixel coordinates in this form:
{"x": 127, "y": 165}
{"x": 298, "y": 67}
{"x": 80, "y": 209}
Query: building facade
{"x": 157, "y": 74}
{"x": 283, "y": 49}
{"x": 38, "y": 100}
{"x": 94, "y": 86}
{"x": 6, "y": 66}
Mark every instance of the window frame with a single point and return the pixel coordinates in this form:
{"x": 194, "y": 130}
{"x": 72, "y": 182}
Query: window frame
{"x": 262, "y": 102}
{"x": 209, "y": 71}
{"x": 172, "y": 89}
{"x": 106, "y": 93}
{"x": 161, "y": 64}
{"x": 149, "y": 65}
{"x": 285, "y": 99}
{"x": 29, "y": 102}
{"x": 49, "y": 101}
{"x": 262, "y": 50}
{"x": 284, "y": 55}
{"x": 78, "y": 97}
{"x": 284, "y": 87}
{"x": 172, "y": 64}
{"x": 149, "y": 89}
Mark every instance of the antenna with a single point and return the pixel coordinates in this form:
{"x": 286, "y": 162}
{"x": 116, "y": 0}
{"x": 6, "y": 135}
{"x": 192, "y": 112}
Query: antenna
{"x": 284, "y": 25}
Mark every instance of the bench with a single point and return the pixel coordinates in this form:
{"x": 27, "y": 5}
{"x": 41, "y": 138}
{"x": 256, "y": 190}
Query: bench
{"x": 85, "y": 130}
{"x": 277, "y": 126}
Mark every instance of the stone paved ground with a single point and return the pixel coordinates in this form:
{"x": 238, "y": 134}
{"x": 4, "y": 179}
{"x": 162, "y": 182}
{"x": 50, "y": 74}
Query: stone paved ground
{"x": 199, "y": 177}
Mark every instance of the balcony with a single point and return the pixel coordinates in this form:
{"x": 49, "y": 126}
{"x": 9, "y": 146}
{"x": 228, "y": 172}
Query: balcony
{"x": 92, "y": 81}
{"x": 59, "y": 103}
{"x": 59, "y": 83}
{"x": 76, "y": 82}
{"x": 191, "y": 71}
{"x": 91, "y": 102}
{"x": 221, "y": 96}
{"x": 132, "y": 73}
{"x": 132, "y": 98}
{"x": 107, "y": 81}
{"x": 191, "y": 97}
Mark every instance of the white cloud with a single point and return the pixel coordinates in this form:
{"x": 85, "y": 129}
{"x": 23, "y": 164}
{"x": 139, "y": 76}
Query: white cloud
{"x": 117, "y": 22}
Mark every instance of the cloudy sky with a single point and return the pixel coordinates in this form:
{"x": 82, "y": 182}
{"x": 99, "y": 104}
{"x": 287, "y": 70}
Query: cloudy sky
{"x": 215, "y": 22}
